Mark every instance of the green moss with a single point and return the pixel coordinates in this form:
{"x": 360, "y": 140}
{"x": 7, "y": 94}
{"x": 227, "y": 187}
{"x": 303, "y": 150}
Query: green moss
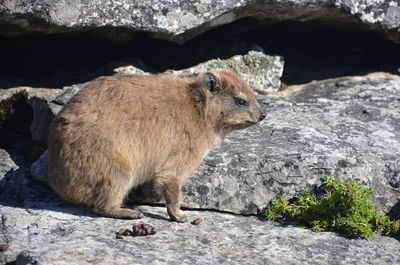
{"x": 343, "y": 207}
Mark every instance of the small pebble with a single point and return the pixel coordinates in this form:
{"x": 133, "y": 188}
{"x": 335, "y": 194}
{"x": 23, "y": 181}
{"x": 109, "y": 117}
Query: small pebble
{"x": 3, "y": 247}
{"x": 196, "y": 221}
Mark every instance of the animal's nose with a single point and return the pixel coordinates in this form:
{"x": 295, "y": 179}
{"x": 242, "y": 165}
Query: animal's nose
{"x": 262, "y": 116}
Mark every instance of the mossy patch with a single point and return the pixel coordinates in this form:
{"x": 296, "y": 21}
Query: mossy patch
{"x": 342, "y": 207}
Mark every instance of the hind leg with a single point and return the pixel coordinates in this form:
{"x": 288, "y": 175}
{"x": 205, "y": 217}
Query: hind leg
{"x": 110, "y": 199}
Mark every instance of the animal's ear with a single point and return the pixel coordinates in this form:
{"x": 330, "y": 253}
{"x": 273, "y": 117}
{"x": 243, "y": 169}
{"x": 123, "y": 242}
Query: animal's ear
{"x": 211, "y": 82}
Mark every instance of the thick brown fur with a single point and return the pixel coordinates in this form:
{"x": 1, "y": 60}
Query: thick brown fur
{"x": 122, "y": 131}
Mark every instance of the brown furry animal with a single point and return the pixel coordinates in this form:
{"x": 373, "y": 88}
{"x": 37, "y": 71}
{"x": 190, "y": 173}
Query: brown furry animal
{"x": 121, "y": 131}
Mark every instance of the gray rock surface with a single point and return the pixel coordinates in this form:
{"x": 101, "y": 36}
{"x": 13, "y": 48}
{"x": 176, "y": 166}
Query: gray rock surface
{"x": 7, "y": 166}
{"x": 39, "y": 168}
{"x": 184, "y": 19}
{"x": 67, "y": 94}
{"x": 129, "y": 70}
{"x": 346, "y": 128}
{"x": 50, "y": 232}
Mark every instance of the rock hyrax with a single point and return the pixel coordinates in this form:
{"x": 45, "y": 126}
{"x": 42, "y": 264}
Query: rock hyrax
{"x": 122, "y": 131}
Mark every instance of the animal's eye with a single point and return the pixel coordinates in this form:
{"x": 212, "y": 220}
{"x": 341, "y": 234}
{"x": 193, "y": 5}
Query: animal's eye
{"x": 240, "y": 102}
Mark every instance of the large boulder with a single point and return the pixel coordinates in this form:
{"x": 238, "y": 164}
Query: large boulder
{"x": 181, "y": 20}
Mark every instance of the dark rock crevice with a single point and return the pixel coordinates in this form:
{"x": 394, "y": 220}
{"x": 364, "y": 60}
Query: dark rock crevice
{"x": 312, "y": 50}
{"x": 16, "y": 117}
{"x": 20, "y": 122}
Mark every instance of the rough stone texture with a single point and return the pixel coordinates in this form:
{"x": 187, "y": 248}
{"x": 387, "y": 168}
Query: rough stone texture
{"x": 375, "y": 11}
{"x": 129, "y": 70}
{"x": 262, "y": 72}
{"x": 346, "y": 128}
{"x": 46, "y": 231}
{"x": 184, "y": 19}
{"x": 14, "y": 179}
{"x": 38, "y": 99}
{"x": 67, "y": 94}
{"x": 7, "y": 166}
{"x": 39, "y": 168}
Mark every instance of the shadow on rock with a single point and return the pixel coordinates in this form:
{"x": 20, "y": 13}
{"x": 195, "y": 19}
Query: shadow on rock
{"x": 17, "y": 189}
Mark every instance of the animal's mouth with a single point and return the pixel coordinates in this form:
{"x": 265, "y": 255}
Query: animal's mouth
{"x": 250, "y": 123}
{"x": 247, "y": 124}
{"x": 240, "y": 126}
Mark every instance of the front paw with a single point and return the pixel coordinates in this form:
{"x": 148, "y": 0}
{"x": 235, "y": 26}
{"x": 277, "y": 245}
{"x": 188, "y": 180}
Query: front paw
{"x": 181, "y": 218}
{"x": 177, "y": 217}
